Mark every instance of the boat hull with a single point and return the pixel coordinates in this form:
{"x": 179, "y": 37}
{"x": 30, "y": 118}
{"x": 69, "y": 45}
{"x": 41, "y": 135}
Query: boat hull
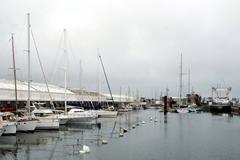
{"x": 1, "y": 130}
{"x": 63, "y": 119}
{"x": 10, "y": 128}
{"x": 107, "y": 114}
{"x": 182, "y": 110}
{"x": 26, "y": 125}
{"x": 80, "y": 120}
{"x": 47, "y": 124}
{"x": 220, "y": 108}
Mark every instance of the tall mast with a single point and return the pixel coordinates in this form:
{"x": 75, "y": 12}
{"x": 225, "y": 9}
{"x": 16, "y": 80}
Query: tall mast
{"x": 29, "y": 71}
{"x": 99, "y": 80}
{"x": 65, "y": 70}
{"x": 180, "y": 87}
{"x": 80, "y": 81}
{"x": 106, "y": 79}
{"x": 189, "y": 81}
{"x": 14, "y": 73}
{"x": 120, "y": 96}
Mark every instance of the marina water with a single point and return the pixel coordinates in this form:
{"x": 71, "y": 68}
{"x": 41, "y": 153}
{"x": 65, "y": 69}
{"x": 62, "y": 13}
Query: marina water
{"x": 173, "y": 137}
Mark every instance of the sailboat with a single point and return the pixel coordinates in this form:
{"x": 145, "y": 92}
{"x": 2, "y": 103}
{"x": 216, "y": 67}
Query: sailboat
{"x": 74, "y": 115}
{"x": 181, "y": 108}
{"x": 24, "y": 122}
{"x": 43, "y": 120}
{"x": 109, "y": 112}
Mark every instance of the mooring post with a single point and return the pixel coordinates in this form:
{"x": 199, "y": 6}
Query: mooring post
{"x": 165, "y": 105}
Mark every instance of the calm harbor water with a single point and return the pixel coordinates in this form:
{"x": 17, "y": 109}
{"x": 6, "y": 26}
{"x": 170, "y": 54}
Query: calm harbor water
{"x": 174, "y": 137}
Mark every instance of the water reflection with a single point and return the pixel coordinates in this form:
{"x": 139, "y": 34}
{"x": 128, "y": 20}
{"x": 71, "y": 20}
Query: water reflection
{"x": 177, "y": 138}
{"x": 8, "y": 148}
{"x": 67, "y": 141}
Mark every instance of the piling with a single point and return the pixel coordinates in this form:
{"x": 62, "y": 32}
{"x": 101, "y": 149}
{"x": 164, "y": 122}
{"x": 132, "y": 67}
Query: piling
{"x": 165, "y": 105}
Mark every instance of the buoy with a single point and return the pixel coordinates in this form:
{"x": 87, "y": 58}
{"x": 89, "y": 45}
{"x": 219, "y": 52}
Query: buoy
{"x": 133, "y": 126}
{"x": 125, "y": 130}
{"x": 155, "y": 120}
{"x": 151, "y": 118}
{"x": 120, "y": 134}
{"x": 104, "y": 141}
{"x": 143, "y": 122}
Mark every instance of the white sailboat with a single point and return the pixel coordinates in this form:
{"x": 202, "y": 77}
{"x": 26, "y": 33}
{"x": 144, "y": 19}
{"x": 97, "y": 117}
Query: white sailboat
{"x": 74, "y": 115}
{"x": 24, "y": 122}
{"x": 44, "y": 120}
{"x": 181, "y": 109}
{"x": 110, "y": 112}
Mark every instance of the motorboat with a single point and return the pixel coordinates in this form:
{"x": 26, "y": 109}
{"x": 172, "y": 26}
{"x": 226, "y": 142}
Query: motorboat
{"x": 8, "y": 120}
{"x": 78, "y": 115}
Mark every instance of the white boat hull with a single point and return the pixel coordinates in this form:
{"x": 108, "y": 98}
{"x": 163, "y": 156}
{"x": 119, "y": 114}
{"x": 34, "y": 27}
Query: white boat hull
{"x": 47, "y": 123}
{"x": 10, "y": 128}
{"x": 26, "y": 125}
{"x": 182, "y": 110}
{"x": 80, "y": 120}
{"x": 106, "y": 114}
{"x": 1, "y": 130}
{"x": 63, "y": 120}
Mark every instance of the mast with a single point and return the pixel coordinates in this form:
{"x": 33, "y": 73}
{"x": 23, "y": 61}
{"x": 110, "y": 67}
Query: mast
{"x": 14, "y": 73}
{"x": 29, "y": 71}
{"x": 106, "y": 79}
{"x": 80, "y": 81}
{"x": 99, "y": 80}
{"x": 120, "y": 96}
{"x": 65, "y": 71}
{"x": 180, "y": 81}
{"x": 189, "y": 81}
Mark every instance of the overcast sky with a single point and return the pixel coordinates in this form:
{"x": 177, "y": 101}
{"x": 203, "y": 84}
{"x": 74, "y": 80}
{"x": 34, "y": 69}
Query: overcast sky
{"x": 140, "y": 42}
